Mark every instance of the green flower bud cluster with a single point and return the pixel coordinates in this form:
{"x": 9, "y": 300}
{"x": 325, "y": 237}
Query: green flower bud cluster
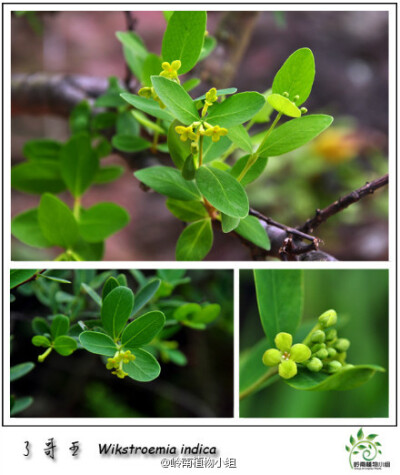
{"x": 328, "y": 352}
{"x": 118, "y": 360}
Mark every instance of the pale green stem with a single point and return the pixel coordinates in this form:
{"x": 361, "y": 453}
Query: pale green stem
{"x": 201, "y": 150}
{"x": 277, "y": 118}
{"x": 249, "y": 164}
{"x": 43, "y": 356}
{"x": 77, "y": 207}
{"x": 247, "y": 392}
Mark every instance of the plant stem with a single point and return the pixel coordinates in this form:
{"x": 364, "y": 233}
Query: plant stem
{"x": 258, "y": 383}
{"x": 252, "y": 160}
{"x": 277, "y": 118}
{"x": 77, "y": 207}
{"x": 43, "y": 356}
{"x": 155, "y": 138}
{"x": 201, "y": 150}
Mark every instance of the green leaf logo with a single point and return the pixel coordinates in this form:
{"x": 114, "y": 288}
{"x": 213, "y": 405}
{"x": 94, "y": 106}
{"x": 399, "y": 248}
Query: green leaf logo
{"x": 365, "y": 446}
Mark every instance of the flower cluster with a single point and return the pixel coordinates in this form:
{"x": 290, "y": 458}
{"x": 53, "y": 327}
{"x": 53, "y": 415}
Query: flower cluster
{"x": 322, "y": 350}
{"x": 117, "y": 361}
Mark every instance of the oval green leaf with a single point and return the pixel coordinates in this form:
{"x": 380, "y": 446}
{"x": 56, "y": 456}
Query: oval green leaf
{"x": 253, "y": 172}
{"x": 251, "y": 229}
{"x": 65, "y": 345}
{"x": 59, "y": 326}
{"x": 57, "y": 222}
{"x": 19, "y": 276}
{"x": 116, "y": 310}
{"x": 223, "y": 191}
{"x": 144, "y": 368}
{"x": 150, "y": 106}
{"x": 145, "y": 294}
{"x": 141, "y": 331}
{"x": 130, "y": 143}
{"x": 110, "y": 284}
{"x": 195, "y": 241}
{"x": 228, "y": 223}
{"x": 187, "y": 211}
{"x": 25, "y": 227}
{"x": 284, "y": 105}
{"x": 37, "y": 177}
{"x": 280, "y": 301}
{"x": 20, "y": 370}
{"x": 98, "y": 343}
{"x": 169, "y": 182}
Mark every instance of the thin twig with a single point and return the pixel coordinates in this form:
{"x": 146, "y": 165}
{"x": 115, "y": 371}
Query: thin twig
{"x": 130, "y": 26}
{"x": 342, "y": 203}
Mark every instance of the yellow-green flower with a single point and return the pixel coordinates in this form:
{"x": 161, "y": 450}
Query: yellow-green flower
{"x": 211, "y": 96}
{"x": 215, "y": 132}
{"x": 286, "y": 355}
{"x": 170, "y": 71}
{"x": 146, "y": 92}
{"x": 186, "y": 132}
{"x": 119, "y": 359}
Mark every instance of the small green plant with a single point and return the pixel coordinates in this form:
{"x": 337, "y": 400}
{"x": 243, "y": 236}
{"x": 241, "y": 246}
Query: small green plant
{"x": 202, "y": 135}
{"x": 128, "y": 338}
{"x": 318, "y": 363}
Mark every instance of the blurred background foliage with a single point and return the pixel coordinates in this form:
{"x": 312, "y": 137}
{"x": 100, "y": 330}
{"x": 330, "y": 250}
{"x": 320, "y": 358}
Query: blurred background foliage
{"x": 351, "y": 54}
{"x": 360, "y": 298}
{"x": 80, "y": 386}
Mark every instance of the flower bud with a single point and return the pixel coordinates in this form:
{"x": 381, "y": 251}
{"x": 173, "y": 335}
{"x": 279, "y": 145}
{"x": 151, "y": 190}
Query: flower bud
{"x": 333, "y": 366}
{"x": 285, "y": 94}
{"x": 328, "y": 318}
{"x": 318, "y": 336}
{"x": 331, "y": 352}
{"x": 300, "y": 353}
{"x": 284, "y": 341}
{"x": 287, "y": 369}
{"x": 321, "y": 354}
{"x": 146, "y": 92}
{"x": 296, "y": 98}
{"x": 272, "y": 357}
{"x": 317, "y": 347}
{"x": 331, "y": 334}
{"x": 342, "y": 344}
{"x": 315, "y": 365}
{"x": 303, "y": 110}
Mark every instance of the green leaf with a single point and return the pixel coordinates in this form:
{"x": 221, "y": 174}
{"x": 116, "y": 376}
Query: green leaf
{"x": 110, "y": 284}
{"x": 167, "y": 15}
{"x": 20, "y": 370}
{"x": 150, "y": 106}
{"x": 103, "y": 149}
{"x": 214, "y": 150}
{"x": 253, "y": 172}
{"x": 19, "y": 276}
{"x": 65, "y": 345}
{"x": 134, "y": 51}
{"x": 173, "y": 276}
{"x": 183, "y": 39}
{"x": 21, "y": 404}
{"x": 143, "y": 120}
{"x": 41, "y": 150}
{"x": 264, "y": 114}
{"x": 207, "y": 314}
{"x": 57, "y": 222}
{"x": 144, "y": 368}
{"x": 228, "y": 223}
{"x": 130, "y": 143}
{"x": 360, "y": 436}
{"x": 37, "y": 177}
{"x": 151, "y": 67}
{"x": 280, "y": 301}
{"x": 108, "y": 174}
{"x": 284, "y": 105}
{"x": 116, "y": 310}
{"x": 186, "y": 311}
{"x": 141, "y": 331}
{"x": 372, "y": 436}
{"x": 190, "y": 84}
{"x": 40, "y": 325}
{"x": 178, "y": 101}
{"x": 53, "y": 279}
{"x": 79, "y": 164}
{"x": 240, "y": 138}
{"x": 296, "y": 76}
{"x": 40, "y": 340}
{"x": 251, "y": 368}
{"x": 127, "y": 124}
{"x": 101, "y": 221}
{"x": 236, "y": 109}
{"x": 104, "y": 120}
{"x": 169, "y": 182}
{"x": 145, "y": 294}
{"x": 251, "y": 229}
{"x": 347, "y": 448}
{"x": 25, "y": 227}
{"x": 195, "y": 241}
{"x": 59, "y": 326}
{"x": 187, "y": 211}
{"x": 208, "y": 47}
{"x": 92, "y": 293}
{"x": 220, "y": 92}
{"x": 79, "y": 119}
{"x": 294, "y": 134}
{"x": 223, "y": 191}
{"x": 343, "y": 380}
{"x": 352, "y": 440}
{"x": 111, "y": 98}
{"x": 122, "y": 280}
{"x": 98, "y": 343}
{"x": 88, "y": 251}
{"x": 189, "y": 168}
